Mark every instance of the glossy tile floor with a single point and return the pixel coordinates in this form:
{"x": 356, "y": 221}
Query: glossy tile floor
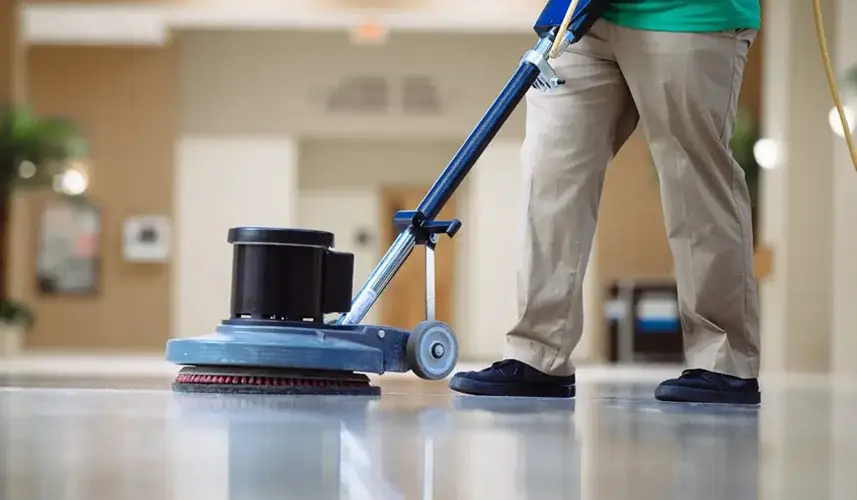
{"x": 92, "y": 438}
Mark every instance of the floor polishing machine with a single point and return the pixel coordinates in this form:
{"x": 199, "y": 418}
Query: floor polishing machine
{"x": 286, "y": 281}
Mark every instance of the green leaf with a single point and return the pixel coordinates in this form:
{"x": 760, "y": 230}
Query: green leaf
{"x": 851, "y": 77}
{"x": 16, "y": 313}
{"x": 46, "y": 142}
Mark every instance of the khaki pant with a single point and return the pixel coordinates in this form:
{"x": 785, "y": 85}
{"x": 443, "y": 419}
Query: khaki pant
{"x": 682, "y": 88}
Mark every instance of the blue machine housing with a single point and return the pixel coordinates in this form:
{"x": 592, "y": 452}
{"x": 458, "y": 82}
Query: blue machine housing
{"x": 587, "y": 12}
{"x": 358, "y": 348}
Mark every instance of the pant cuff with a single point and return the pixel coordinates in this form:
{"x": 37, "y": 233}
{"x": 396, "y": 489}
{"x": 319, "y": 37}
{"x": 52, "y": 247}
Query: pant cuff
{"x": 538, "y": 355}
{"x": 743, "y": 370}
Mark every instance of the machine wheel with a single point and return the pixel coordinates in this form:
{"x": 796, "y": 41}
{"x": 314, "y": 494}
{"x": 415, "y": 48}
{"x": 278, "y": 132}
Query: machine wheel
{"x": 432, "y": 350}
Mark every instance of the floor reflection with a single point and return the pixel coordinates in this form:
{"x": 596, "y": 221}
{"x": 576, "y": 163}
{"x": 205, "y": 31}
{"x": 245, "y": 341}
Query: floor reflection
{"x": 61, "y": 439}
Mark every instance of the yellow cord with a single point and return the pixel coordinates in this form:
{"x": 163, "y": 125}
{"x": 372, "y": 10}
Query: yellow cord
{"x": 566, "y": 22}
{"x": 831, "y": 80}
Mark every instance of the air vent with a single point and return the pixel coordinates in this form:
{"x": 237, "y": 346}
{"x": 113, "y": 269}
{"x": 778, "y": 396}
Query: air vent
{"x": 360, "y": 94}
{"x": 373, "y": 94}
{"x": 420, "y": 96}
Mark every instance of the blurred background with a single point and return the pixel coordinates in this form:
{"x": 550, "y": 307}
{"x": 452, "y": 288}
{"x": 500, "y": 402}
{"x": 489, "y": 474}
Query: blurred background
{"x": 137, "y": 132}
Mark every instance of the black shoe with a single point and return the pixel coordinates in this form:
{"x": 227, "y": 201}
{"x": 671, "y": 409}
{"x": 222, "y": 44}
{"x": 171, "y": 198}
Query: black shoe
{"x": 703, "y": 386}
{"x": 513, "y": 379}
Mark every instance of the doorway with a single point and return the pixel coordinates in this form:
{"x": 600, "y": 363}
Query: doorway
{"x": 402, "y": 304}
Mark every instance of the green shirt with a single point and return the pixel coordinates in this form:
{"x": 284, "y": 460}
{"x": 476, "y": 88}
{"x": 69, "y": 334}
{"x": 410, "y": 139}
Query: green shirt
{"x": 685, "y": 15}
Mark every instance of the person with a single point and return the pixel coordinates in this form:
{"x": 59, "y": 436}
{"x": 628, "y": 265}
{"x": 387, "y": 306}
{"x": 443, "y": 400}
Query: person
{"x": 675, "y": 67}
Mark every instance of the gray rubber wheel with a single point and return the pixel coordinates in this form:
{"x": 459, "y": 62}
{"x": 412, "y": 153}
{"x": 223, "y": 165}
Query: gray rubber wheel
{"x": 432, "y": 350}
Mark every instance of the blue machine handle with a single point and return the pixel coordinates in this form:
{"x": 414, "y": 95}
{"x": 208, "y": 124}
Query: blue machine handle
{"x": 478, "y": 141}
{"x": 587, "y": 12}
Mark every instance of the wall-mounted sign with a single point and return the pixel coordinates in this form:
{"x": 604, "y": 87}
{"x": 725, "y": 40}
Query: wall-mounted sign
{"x": 146, "y": 239}
{"x": 69, "y": 252}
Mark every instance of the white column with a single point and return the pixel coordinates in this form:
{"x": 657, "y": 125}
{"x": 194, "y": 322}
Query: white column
{"x": 797, "y": 203}
{"x": 223, "y": 182}
{"x": 845, "y": 208}
{"x": 491, "y": 248}
{"x": 592, "y": 346}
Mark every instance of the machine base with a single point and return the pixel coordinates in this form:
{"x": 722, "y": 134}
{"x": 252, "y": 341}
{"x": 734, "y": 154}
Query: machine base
{"x": 281, "y": 357}
{"x": 301, "y": 346}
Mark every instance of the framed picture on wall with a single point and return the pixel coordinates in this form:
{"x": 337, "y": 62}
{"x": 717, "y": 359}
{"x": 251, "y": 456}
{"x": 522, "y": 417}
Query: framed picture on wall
{"x": 69, "y": 254}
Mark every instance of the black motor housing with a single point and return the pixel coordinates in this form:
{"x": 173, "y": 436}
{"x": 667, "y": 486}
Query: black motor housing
{"x": 288, "y": 275}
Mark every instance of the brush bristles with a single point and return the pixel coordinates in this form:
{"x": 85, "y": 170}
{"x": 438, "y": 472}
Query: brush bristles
{"x": 274, "y": 381}
{"x": 203, "y": 379}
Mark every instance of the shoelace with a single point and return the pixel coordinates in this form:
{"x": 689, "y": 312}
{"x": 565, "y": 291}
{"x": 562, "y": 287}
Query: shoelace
{"x": 505, "y": 364}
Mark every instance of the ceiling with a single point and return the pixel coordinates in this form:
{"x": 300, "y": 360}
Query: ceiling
{"x": 152, "y": 23}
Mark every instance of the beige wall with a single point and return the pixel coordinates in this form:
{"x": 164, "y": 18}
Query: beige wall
{"x": 8, "y": 44}
{"x": 631, "y": 233}
{"x": 125, "y": 102}
{"x": 285, "y": 77}
{"x": 343, "y": 163}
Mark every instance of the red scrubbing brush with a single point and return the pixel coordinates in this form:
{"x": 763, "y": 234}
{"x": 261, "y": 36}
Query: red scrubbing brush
{"x": 238, "y": 380}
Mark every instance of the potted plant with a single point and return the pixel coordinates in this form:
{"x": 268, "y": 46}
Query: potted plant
{"x": 851, "y": 80}
{"x": 747, "y": 133}
{"x": 15, "y": 320}
{"x": 33, "y": 151}
{"x": 744, "y": 139}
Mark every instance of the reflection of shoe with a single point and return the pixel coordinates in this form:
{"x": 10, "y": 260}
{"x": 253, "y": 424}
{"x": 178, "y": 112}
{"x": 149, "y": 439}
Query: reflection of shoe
{"x": 514, "y": 406}
{"x": 514, "y": 379}
{"x": 703, "y": 386}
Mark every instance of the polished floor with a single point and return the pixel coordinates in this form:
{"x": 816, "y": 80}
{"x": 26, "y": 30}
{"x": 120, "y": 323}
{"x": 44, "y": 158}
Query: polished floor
{"x": 129, "y": 437}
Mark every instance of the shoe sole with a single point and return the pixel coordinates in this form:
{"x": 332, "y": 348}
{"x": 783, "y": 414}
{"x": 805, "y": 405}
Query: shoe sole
{"x": 686, "y": 395}
{"x": 475, "y": 388}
